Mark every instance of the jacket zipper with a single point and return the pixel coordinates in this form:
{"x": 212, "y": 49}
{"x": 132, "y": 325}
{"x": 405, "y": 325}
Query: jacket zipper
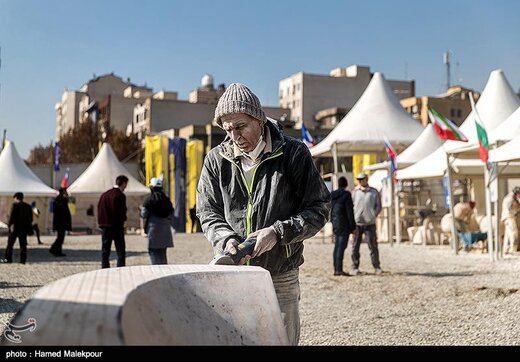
{"x": 249, "y": 188}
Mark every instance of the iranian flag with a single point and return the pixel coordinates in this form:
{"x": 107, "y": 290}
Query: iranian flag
{"x": 446, "y": 129}
{"x": 481, "y": 132}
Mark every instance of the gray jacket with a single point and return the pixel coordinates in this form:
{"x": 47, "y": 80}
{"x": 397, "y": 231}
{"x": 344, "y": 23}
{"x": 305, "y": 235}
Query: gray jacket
{"x": 367, "y": 205}
{"x": 158, "y": 228}
{"x": 287, "y": 192}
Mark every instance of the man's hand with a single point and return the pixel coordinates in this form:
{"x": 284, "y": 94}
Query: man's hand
{"x": 231, "y": 248}
{"x": 265, "y": 240}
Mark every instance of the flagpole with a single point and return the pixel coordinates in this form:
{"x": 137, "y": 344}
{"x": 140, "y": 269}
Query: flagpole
{"x": 335, "y": 160}
{"x": 491, "y": 246}
{"x": 497, "y": 210}
{"x": 454, "y": 236}
{"x": 389, "y": 208}
{"x": 397, "y": 218}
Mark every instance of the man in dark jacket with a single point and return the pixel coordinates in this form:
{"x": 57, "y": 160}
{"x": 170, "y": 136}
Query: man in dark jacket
{"x": 111, "y": 220}
{"x": 343, "y": 223}
{"x": 20, "y": 224}
{"x": 61, "y": 221}
{"x": 258, "y": 182}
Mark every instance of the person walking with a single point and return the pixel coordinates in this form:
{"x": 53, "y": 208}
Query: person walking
{"x": 111, "y": 221}
{"x": 20, "y": 225}
{"x": 260, "y": 183}
{"x": 36, "y": 217}
{"x": 343, "y": 223}
{"x": 367, "y": 205}
{"x": 157, "y": 212}
{"x": 61, "y": 221}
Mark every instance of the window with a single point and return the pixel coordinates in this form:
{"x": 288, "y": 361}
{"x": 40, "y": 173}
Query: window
{"x": 459, "y": 113}
{"x": 452, "y": 112}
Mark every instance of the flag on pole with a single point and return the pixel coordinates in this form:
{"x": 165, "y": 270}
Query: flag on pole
{"x": 306, "y": 136}
{"x": 392, "y": 157}
{"x": 65, "y": 179}
{"x": 57, "y": 154}
{"x": 445, "y": 129}
{"x": 481, "y": 132}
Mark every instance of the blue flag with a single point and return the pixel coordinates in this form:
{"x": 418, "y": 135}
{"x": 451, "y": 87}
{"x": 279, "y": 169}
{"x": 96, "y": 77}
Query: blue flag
{"x": 306, "y": 136}
{"x": 57, "y": 154}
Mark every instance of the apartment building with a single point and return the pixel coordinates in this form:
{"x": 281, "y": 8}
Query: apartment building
{"x": 454, "y": 104}
{"x": 106, "y": 99}
{"x": 164, "y": 111}
{"x": 308, "y": 94}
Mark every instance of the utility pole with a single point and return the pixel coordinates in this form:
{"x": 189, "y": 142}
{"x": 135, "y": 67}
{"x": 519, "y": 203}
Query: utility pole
{"x": 447, "y": 61}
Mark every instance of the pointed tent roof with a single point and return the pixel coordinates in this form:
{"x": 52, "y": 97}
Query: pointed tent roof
{"x": 18, "y": 177}
{"x": 507, "y": 152}
{"x": 497, "y": 102}
{"x": 508, "y": 130}
{"x": 424, "y": 145}
{"x": 376, "y": 115}
{"x": 101, "y": 174}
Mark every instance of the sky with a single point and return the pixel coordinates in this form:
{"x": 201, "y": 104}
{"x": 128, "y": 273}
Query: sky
{"x": 47, "y": 46}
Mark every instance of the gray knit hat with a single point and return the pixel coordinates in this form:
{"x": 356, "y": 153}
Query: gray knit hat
{"x": 239, "y": 99}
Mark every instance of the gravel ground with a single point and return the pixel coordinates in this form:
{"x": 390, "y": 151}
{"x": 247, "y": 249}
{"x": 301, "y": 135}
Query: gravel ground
{"x": 426, "y": 295}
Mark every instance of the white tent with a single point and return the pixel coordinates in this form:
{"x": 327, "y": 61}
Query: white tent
{"x": 497, "y": 102}
{"x": 508, "y": 130}
{"x": 507, "y": 152}
{"x": 101, "y": 175}
{"x": 376, "y": 115}
{"x": 424, "y": 145}
{"x": 18, "y": 177}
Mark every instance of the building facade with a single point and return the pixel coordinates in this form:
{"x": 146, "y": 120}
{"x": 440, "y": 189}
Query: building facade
{"x": 160, "y": 112}
{"x": 307, "y": 94}
{"x": 106, "y": 99}
{"x": 67, "y": 111}
{"x": 454, "y": 104}
{"x": 207, "y": 93}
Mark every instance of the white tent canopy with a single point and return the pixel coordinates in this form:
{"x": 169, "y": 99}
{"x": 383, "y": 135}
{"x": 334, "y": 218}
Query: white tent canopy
{"x": 508, "y": 130}
{"x": 495, "y": 105}
{"x": 101, "y": 175}
{"x": 424, "y": 145}
{"x": 506, "y": 152}
{"x": 376, "y": 115}
{"x": 18, "y": 177}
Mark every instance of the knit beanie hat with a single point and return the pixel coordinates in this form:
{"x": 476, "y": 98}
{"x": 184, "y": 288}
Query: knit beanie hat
{"x": 239, "y": 99}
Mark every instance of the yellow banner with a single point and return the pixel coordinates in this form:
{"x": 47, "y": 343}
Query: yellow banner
{"x": 194, "y": 158}
{"x": 156, "y": 157}
{"x": 361, "y": 160}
